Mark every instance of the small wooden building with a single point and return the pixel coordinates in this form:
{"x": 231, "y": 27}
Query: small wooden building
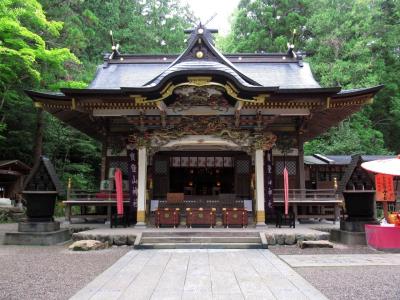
{"x": 12, "y": 175}
{"x": 203, "y": 123}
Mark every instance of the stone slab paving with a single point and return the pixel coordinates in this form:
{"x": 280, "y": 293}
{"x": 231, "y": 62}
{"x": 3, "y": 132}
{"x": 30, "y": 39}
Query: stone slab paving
{"x": 341, "y": 260}
{"x": 199, "y": 274}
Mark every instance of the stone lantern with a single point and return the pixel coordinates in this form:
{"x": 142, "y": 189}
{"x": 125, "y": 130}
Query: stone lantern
{"x": 40, "y": 194}
{"x": 358, "y": 191}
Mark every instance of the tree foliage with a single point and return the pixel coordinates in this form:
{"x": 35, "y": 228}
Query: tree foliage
{"x": 349, "y": 43}
{"x": 51, "y": 44}
{"x": 26, "y": 62}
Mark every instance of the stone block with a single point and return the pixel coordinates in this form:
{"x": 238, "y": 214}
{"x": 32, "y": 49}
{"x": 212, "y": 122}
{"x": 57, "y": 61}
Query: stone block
{"x": 130, "y": 240}
{"x": 315, "y": 244}
{"x": 310, "y": 237}
{"x": 324, "y": 236}
{"x": 271, "y": 239}
{"x": 290, "y": 239}
{"x": 300, "y": 237}
{"x": 103, "y": 238}
{"x": 77, "y": 236}
{"x": 38, "y": 226}
{"x": 120, "y": 240}
{"x": 37, "y": 238}
{"x": 348, "y": 237}
{"x": 87, "y": 245}
{"x": 280, "y": 239}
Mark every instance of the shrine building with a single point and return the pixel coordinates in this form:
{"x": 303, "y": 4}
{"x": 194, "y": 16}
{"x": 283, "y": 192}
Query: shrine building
{"x": 214, "y": 128}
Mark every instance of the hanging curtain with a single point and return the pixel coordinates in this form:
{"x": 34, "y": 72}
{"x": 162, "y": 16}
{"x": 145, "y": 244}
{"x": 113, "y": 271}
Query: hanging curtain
{"x": 118, "y": 188}
{"x": 286, "y": 189}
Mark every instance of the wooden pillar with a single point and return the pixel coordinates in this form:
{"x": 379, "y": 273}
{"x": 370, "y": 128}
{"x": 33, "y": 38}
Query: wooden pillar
{"x": 142, "y": 180}
{"x": 259, "y": 170}
{"x": 302, "y": 182}
{"x": 104, "y": 147}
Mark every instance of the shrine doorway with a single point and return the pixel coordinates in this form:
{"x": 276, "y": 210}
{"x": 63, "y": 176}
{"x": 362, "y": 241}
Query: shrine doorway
{"x": 202, "y": 173}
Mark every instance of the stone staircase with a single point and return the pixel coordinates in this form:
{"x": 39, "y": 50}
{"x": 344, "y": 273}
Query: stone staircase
{"x": 202, "y": 240}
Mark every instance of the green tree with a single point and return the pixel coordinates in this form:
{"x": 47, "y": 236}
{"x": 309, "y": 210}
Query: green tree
{"x": 139, "y": 27}
{"x": 266, "y": 25}
{"x": 349, "y": 43}
{"x": 26, "y": 61}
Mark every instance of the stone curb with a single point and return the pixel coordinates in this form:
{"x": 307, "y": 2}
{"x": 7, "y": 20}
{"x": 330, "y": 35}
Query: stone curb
{"x": 294, "y": 238}
{"x": 117, "y": 240}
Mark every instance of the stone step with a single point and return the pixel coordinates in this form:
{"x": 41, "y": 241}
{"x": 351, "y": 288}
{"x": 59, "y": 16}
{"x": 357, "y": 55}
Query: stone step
{"x": 201, "y": 246}
{"x": 201, "y": 239}
{"x": 205, "y": 233}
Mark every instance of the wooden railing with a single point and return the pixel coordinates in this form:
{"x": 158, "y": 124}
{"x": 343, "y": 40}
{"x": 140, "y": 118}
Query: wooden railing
{"x": 81, "y": 195}
{"x": 306, "y": 195}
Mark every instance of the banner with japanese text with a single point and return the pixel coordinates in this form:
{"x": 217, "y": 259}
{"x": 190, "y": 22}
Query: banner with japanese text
{"x": 268, "y": 183}
{"x": 132, "y": 175}
{"x": 384, "y": 188}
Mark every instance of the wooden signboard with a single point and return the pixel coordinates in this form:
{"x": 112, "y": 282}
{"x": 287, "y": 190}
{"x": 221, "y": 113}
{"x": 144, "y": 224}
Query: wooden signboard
{"x": 384, "y": 188}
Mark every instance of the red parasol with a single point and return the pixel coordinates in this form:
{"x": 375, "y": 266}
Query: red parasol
{"x": 118, "y": 188}
{"x": 286, "y": 189}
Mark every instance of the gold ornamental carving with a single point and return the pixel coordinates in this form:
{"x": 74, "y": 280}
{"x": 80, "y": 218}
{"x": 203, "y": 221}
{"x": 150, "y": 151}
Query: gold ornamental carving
{"x": 264, "y": 141}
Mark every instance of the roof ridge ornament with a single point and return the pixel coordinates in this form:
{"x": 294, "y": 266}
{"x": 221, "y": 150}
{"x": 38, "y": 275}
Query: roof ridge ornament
{"x": 114, "y": 47}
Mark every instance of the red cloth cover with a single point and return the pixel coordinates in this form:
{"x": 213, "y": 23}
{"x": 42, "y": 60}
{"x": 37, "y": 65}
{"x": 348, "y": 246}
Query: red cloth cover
{"x": 120, "y": 194}
{"x": 383, "y": 237}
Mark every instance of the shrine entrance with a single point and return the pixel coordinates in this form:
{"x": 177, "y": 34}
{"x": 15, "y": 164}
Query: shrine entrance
{"x": 202, "y": 173}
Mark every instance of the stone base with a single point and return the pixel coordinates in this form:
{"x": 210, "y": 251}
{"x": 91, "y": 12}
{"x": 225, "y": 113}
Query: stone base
{"x": 37, "y": 238}
{"x": 348, "y": 237}
{"x": 356, "y": 225}
{"x": 38, "y": 226}
{"x": 140, "y": 225}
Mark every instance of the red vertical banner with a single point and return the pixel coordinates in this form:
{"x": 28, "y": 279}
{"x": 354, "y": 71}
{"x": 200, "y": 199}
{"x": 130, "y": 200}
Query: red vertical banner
{"x": 118, "y": 188}
{"x": 286, "y": 189}
{"x": 384, "y": 188}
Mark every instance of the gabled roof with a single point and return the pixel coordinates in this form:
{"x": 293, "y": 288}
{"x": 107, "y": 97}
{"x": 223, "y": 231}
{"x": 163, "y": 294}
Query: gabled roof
{"x": 319, "y": 159}
{"x": 203, "y": 56}
{"x": 15, "y": 165}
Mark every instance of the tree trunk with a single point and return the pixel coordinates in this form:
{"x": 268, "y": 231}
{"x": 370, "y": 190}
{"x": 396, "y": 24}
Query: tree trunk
{"x": 38, "y": 145}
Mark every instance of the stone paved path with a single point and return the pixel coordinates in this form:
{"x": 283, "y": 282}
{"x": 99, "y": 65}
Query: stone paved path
{"x": 199, "y": 274}
{"x": 342, "y": 260}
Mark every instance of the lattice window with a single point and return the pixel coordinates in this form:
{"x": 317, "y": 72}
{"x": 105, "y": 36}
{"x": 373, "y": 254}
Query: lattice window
{"x": 242, "y": 167}
{"x": 290, "y": 165}
{"x": 123, "y": 165}
{"x": 161, "y": 167}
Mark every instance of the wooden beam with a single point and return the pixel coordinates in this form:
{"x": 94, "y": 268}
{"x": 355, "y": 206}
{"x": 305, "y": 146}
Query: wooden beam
{"x": 10, "y": 172}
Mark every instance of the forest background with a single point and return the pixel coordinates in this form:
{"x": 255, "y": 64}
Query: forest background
{"x": 48, "y": 44}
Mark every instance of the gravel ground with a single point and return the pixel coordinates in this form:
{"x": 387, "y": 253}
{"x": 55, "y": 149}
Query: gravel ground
{"x": 53, "y": 272}
{"x": 347, "y": 283}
